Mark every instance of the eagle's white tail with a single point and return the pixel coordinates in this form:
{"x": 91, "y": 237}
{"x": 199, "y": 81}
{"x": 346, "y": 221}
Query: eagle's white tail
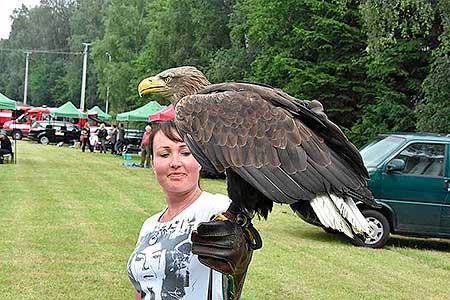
{"x": 341, "y": 215}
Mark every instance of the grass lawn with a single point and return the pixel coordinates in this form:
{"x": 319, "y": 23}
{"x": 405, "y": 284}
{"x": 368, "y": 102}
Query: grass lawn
{"x": 69, "y": 221}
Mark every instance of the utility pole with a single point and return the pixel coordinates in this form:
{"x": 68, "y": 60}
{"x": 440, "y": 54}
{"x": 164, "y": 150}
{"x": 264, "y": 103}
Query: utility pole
{"x": 25, "y": 87}
{"x": 83, "y": 79}
{"x": 107, "y": 85}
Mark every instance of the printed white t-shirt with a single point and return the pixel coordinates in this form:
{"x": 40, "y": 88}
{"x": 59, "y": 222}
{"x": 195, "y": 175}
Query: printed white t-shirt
{"x": 162, "y": 265}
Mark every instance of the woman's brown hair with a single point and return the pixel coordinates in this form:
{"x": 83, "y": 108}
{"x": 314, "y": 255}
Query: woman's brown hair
{"x": 168, "y": 129}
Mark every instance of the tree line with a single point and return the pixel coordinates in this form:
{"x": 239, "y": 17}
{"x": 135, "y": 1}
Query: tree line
{"x": 376, "y": 65}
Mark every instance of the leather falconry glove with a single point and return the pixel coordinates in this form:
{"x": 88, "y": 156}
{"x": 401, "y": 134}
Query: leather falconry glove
{"x": 226, "y": 244}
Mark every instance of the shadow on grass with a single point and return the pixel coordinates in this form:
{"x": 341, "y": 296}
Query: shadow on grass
{"x": 419, "y": 243}
{"x": 318, "y": 234}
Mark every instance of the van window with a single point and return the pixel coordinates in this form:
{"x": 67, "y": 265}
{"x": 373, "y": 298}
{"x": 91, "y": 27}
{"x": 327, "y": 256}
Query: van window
{"x": 375, "y": 152}
{"x": 423, "y": 159}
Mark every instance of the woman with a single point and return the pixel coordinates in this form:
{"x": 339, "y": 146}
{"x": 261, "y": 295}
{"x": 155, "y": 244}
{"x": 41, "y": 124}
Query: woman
{"x": 162, "y": 265}
{"x": 84, "y": 138}
{"x": 145, "y": 147}
{"x": 102, "y": 133}
{"x": 113, "y": 139}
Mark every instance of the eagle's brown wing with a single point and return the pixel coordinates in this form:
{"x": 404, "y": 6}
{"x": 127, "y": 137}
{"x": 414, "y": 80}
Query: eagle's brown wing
{"x": 311, "y": 114}
{"x": 240, "y": 128}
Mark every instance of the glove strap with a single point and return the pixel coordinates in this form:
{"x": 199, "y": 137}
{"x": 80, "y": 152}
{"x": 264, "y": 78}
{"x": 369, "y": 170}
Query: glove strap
{"x": 253, "y": 237}
{"x": 230, "y": 288}
{"x": 210, "y": 284}
{"x": 230, "y": 295}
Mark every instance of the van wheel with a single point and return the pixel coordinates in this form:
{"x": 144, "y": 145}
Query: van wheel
{"x": 17, "y": 134}
{"x": 44, "y": 140}
{"x": 380, "y": 226}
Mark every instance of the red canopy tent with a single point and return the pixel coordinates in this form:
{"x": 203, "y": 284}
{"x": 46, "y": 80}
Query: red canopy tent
{"x": 164, "y": 114}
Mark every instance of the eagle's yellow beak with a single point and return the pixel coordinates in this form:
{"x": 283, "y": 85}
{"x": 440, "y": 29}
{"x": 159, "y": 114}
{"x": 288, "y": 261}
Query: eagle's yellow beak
{"x": 152, "y": 85}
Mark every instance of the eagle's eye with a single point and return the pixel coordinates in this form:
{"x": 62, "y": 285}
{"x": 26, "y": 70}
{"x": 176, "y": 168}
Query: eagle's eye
{"x": 167, "y": 79}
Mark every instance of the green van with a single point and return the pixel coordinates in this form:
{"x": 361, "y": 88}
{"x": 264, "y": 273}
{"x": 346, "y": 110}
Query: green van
{"x": 409, "y": 177}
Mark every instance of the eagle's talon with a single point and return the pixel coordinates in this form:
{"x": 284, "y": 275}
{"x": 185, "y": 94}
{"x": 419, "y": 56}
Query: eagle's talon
{"x": 242, "y": 220}
{"x": 220, "y": 217}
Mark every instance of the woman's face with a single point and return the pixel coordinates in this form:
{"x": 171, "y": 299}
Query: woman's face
{"x": 176, "y": 169}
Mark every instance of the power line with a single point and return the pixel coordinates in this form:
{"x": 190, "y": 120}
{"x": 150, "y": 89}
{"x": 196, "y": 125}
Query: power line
{"x": 41, "y": 51}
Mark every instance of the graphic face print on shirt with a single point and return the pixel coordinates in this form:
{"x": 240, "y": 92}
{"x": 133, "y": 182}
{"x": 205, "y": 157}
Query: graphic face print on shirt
{"x": 165, "y": 250}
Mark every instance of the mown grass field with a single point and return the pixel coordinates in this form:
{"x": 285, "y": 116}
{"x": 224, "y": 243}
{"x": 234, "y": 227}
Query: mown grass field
{"x": 69, "y": 221}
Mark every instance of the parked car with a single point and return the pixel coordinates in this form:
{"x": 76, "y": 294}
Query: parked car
{"x": 409, "y": 177}
{"x": 46, "y": 132}
{"x": 20, "y": 127}
{"x": 133, "y": 138}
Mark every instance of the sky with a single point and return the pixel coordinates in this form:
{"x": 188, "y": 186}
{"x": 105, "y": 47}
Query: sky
{"x": 6, "y": 9}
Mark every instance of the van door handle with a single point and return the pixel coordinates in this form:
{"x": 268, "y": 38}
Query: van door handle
{"x": 446, "y": 185}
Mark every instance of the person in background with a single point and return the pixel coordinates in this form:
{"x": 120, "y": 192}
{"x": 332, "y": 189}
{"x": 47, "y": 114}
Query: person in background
{"x": 102, "y": 133}
{"x": 145, "y": 147}
{"x": 5, "y": 145}
{"x": 113, "y": 139}
{"x": 163, "y": 264}
{"x": 120, "y": 140}
{"x": 84, "y": 138}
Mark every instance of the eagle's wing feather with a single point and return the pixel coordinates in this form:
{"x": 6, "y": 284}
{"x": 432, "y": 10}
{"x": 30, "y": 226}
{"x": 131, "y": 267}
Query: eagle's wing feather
{"x": 241, "y": 128}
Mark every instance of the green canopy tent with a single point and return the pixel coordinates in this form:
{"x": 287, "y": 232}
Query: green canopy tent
{"x": 6, "y": 103}
{"x": 68, "y": 110}
{"x": 100, "y": 113}
{"x": 140, "y": 114}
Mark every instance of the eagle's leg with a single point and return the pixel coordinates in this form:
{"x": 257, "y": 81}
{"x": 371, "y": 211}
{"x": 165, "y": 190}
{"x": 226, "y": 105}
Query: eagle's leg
{"x": 236, "y": 214}
{"x": 246, "y": 197}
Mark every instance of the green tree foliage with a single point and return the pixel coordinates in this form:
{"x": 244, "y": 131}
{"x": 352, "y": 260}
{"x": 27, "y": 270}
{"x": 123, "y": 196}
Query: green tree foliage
{"x": 180, "y": 32}
{"x": 233, "y": 63}
{"x": 55, "y": 25}
{"x": 185, "y": 32}
{"x": 14, "y": 61}
{"x": 395, "y": 75}
{"x": 312, "y": 49}
{"x": 387, "y": 21}
{"x": 434, "y": 109}
{"x": 46, "y": 82}
{"x": 87, "y": 26}
{"x": 123, "y": 39}
{"x": 42, "y": 28}
{"x": 402, "y": 36}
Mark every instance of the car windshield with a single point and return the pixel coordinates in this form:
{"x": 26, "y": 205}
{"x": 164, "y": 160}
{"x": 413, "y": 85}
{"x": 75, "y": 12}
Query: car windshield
{"x": 38, "y": 125}
{"x": 377, "y": 150}
{"x": 22, "y": 119}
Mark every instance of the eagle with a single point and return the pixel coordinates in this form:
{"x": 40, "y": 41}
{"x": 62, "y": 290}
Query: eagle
{"x": 272, "y": 146}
